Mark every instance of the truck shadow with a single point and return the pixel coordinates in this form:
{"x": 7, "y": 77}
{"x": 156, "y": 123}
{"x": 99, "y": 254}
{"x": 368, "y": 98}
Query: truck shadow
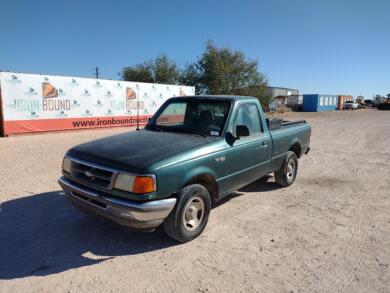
{"x": 43, "y": 234}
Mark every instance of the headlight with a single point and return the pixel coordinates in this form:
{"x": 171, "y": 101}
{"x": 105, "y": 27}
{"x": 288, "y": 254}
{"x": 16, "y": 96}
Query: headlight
{"x": 135, "y": 184}
{"x": 66, "y": 165}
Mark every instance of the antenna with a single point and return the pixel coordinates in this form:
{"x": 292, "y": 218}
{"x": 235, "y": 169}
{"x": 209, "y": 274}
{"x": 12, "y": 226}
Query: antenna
{"x": 137, "y": 110}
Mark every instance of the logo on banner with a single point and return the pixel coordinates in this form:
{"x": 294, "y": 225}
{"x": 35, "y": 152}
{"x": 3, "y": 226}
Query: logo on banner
{"x": 87, "y": 113}
{"x": 131, "y": 99}
{"x": 33, "y": 114}
{"x": 48, "y": 90}
{"x": 98, "y": 103}
{"x": 14, "y": 79}
{"x": 31, "y": 92}
{"x": 86, "y": 93}
{"x": 130, "y": 94}
{"x": 50, "y": 101}
{"x": 73, "y": 82}
{"x": 61, "y": 114}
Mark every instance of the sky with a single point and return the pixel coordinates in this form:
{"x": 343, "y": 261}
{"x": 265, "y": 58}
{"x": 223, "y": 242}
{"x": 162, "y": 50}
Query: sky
{"x": 316, "y": 46}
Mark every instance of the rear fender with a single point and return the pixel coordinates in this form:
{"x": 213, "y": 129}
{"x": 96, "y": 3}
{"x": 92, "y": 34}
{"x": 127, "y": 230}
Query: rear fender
{"x": 296, "y": 147}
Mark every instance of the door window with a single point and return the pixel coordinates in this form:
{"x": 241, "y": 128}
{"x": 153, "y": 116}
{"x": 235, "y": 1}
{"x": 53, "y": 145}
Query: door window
{"x": 248, "y": 115}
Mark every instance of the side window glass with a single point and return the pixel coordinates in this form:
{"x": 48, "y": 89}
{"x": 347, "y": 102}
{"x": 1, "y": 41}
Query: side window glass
{"x": 248, "y": 115}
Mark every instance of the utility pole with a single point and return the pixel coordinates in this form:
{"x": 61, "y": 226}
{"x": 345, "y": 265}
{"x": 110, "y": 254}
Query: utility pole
{"x": 137, "y": 96}
{"x": 97, "y": 72}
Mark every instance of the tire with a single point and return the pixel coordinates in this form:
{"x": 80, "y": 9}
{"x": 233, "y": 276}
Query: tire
{"x": 183, "y": 225}
{"x": 285, "y": 176}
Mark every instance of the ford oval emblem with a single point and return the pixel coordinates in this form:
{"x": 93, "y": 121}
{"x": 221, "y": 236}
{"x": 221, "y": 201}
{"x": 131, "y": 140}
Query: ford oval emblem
{"x": 89, "y": 174}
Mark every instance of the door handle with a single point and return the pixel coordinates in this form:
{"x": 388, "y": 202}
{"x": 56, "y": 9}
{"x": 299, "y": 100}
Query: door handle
{"x": 264, "y": 144}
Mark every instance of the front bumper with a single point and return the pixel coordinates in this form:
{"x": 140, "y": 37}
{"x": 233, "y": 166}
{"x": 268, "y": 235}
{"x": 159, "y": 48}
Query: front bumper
{"x": 129, "y": 213}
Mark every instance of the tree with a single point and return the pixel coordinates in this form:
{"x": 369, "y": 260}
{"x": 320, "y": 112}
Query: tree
{"x": 165, "y": 70}
{"x": 140, "y": 72}
{"x": 258, "y": 92}
{"x": 217, "y": 71}
{"x": 159, "y": 70}
{"x": 227, "y": 72}
{"x": 191, "y": 76}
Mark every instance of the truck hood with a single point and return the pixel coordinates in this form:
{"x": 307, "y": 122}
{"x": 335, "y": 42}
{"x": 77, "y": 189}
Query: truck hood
{"x": 135, "y": 151}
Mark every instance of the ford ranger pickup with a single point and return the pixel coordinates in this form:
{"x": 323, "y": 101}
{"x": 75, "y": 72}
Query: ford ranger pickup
{"x": 193, "y": 152}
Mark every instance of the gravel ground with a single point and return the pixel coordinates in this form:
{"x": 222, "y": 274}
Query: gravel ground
{"x": 328, "y": 232}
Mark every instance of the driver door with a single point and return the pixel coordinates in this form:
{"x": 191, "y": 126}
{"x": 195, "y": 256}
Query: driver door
{"x": 249, "y": 157}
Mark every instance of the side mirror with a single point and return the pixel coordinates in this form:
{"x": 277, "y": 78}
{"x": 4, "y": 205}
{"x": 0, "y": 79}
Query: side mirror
{"x": 242, "y": 130}
{"x": 230, "y": 138}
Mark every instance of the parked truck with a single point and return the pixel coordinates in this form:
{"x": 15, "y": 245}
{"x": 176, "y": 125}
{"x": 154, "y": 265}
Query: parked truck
{"x": 193, "y": 152}
{"x": 351, "y": 105}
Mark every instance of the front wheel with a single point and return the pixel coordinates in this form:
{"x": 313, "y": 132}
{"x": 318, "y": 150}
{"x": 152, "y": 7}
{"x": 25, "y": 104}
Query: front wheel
{"x": 190, "y": 215}
{"x": 286, "y": 174}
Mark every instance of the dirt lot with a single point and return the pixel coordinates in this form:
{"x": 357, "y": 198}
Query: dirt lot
{"x": 328, "y": 232}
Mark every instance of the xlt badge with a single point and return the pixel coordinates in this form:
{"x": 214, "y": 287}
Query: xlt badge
{"x": 220, "y": 159}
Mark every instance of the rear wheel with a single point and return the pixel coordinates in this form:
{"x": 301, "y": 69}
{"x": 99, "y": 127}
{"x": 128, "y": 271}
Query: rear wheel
{"x": 285, "y": 176}
{"x": 190, "y": 215}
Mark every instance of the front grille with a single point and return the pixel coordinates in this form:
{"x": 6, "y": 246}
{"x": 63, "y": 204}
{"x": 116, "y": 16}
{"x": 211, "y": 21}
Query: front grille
{"x": 92, "y": 174}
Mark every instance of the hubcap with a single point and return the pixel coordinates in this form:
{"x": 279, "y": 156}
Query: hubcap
{"x": 193, "y": 213}
{"x": 290, "y": 169}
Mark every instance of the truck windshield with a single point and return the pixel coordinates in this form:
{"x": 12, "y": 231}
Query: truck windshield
{"x": 196, "y": 116}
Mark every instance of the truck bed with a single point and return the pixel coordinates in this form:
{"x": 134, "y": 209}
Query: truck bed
{"x": 284, "y": 132}
{"x": 277, "y": 123}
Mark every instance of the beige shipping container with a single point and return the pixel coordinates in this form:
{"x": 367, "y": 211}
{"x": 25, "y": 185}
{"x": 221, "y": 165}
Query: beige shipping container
{"x": 342, "y": 100}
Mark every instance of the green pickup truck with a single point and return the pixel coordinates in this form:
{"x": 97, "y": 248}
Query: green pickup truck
{"x": 192, "y": 153}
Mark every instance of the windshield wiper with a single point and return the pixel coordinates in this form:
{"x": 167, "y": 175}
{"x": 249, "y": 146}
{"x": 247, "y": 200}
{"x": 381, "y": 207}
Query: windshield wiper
{"x": 188, "y": 131}
{"x": 172, "y": 129}
{"x": 153, "y": 127}
{"x": 194, "y": 132}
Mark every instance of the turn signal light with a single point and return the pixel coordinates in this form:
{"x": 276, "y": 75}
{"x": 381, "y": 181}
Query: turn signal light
{"x": 135, "y": 183}
{"x": 144, "y": 184}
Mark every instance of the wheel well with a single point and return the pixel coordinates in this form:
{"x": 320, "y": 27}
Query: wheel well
{"x": 209, "y": 183}
{"x": 296, "y": 148}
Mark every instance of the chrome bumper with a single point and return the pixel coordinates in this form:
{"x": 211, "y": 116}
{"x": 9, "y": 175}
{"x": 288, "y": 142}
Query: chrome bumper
{"x": 129, "y": 213}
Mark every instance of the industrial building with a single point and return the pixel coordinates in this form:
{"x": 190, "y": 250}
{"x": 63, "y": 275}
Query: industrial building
{"x": 319, "y": 103}
{"x": 280, "y": 96}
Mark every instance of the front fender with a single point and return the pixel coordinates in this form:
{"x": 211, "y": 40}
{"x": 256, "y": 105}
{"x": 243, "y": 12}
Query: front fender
{"x": 197, "y": 172}
{"x": 171, "y": 180}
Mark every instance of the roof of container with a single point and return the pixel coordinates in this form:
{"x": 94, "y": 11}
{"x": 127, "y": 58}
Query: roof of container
{"x": 282, "y": 88}
{"x": 320, "y": 95}
{"x": 218, "y": 97}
